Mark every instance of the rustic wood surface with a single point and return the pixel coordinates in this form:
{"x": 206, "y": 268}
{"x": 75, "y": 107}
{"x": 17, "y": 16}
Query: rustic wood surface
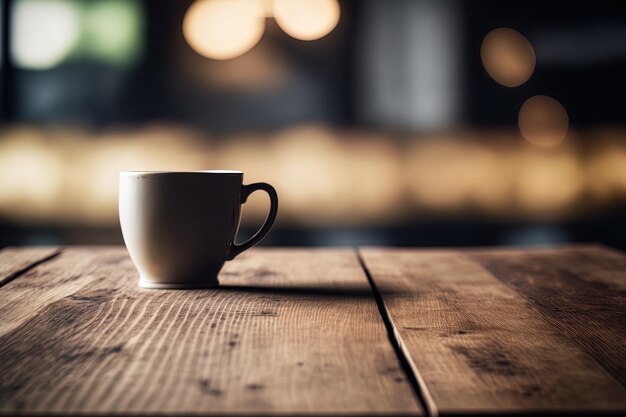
{"x": 290, "y": 332}
{"x": 578, "y": 291}
{"x": 508, "y": 330}
{"x": 299, "y": 331}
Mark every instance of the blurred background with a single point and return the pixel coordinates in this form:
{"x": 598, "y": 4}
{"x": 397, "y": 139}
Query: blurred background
{"x": 405, "y": 122}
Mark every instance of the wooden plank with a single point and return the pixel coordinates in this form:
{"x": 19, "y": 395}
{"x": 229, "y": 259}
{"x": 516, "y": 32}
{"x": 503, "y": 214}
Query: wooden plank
{"x": 291, "y": 331}
{"x": 598, "y": 264}
{"x": 15, "y": 261}
{"x": 52, "y": 281}
{"x": 593, "y": 263}
{"x": 477, "y": 346}
{"x": 580, "y": 291}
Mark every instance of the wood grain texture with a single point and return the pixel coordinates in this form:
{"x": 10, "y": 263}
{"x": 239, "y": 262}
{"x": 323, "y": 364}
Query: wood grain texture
{"x": 14, "y": 261}
{"x": 58, "y": 278}
{"x": 478, "y": 346}
{"x": 290, "y": 331}
{"x": 580, "y": 291}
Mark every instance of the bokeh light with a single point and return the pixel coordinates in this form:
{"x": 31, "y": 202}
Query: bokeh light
{"x": 547, "y": 183}
{"x": 543, "y": 121}
{"x": 307, "y": 20}
{"x": 112, "y": 30}
{"x": 31, "y": 175}
{"x": 224, "y": 29}
{"x": 508, "y": 57}
{"x": 44, "y": 32}
{"x": 324, "y": 176}
{"x": 449, "y": 174}
{"x": 606, "y": 169}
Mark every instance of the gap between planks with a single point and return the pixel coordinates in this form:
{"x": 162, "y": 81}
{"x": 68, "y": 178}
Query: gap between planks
{"x": 404, "y": 357}
{"x": 409, "y": 368}
{"x": 447, "y": 406}
{"x": 16, "y": 274}
{"x": 246, "y": 272}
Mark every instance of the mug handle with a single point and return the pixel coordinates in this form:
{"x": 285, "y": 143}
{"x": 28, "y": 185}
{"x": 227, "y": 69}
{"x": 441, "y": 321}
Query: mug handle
{"x": 246, "y": 190}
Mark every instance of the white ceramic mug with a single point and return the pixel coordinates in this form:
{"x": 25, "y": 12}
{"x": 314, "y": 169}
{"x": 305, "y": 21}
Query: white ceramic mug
{"x": 180, "y": 227}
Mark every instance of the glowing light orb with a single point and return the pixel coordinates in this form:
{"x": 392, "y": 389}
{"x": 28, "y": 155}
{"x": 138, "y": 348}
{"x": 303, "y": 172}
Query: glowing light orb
{"x": 543, "y": 121}
{"x": 31, "y": 175}
{"x": 547, "y": 184}
{"x": 113, "y": 30}
{"x": 44, "y": 32}
{"x": 307, "y": 20}
{"x": 223, "y": 29}
{"x": 508, "y": 57}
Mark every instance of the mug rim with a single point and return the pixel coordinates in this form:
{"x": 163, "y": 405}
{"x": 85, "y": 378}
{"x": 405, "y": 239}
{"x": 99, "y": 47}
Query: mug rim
{"x": 207, "y": 171}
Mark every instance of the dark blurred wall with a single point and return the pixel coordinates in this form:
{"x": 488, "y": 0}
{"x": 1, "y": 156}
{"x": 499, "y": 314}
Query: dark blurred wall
{"x": 404, "y": 64}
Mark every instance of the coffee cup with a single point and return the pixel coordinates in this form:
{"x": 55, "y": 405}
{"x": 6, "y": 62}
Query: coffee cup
{"x": 180, "y": 227}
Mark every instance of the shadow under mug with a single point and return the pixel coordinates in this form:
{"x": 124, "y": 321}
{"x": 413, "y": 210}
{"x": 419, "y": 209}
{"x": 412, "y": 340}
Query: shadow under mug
{"x": 180, "y": 227}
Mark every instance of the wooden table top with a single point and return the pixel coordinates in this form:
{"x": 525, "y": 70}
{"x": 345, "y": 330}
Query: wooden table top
{"x": 375, "y": 331}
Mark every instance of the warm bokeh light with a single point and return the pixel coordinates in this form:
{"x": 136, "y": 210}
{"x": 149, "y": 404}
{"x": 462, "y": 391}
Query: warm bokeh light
{"x": 376, "y": 183}
{"x": 508, "y": 57}
{"x": 31, "y": 175}
{"x": 307, "y": 20}
{"x": 324, "y": 176}
{"x": 606, "y": 170}
{"x": 224, "y": 29}
{"x": 547, "y": 183}
{"x": 44, "y": 32}
{"x": 543, "y": 121}
{"x": 449, "y": 174}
